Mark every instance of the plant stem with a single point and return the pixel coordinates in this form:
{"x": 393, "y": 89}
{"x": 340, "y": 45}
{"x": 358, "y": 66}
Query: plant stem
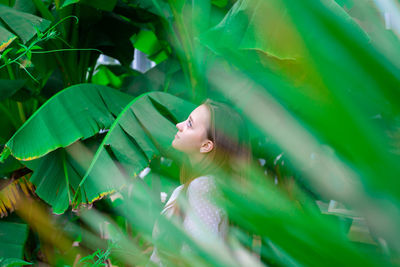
{"x": 57, "y": 2}
{"x": 10, "y": 70}
{"x": 64, "y": 160}
{"x": 84, "y": 62}
{"x": 21, "y": 112}
{"x": 166, "y": 83}
{"x": 73, "y": 62}
{"x": 35, "y": 105}
{"x": 91, "y": 71}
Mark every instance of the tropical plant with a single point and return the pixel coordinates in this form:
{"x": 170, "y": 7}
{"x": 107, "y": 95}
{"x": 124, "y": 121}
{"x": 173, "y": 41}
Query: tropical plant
{"x": 317, "y": 81}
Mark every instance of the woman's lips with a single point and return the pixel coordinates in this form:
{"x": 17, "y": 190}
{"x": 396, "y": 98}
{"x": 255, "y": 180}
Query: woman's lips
{"x": 176, "y": 136}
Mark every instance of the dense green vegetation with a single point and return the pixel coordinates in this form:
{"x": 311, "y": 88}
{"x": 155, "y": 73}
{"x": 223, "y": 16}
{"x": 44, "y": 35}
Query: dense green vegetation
{"x": 317, "y": 81}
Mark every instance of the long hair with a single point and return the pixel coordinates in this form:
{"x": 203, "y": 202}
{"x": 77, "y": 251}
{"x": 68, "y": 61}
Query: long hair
{"x": 229, "y": 134}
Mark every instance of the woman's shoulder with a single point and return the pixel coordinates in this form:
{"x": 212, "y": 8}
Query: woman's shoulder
{"x": 202, "y": 184}
{"x": 175, "y": 194}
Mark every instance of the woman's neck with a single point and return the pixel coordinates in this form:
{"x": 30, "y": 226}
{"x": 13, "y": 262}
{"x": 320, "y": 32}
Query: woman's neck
{"x": 195, "y": 159}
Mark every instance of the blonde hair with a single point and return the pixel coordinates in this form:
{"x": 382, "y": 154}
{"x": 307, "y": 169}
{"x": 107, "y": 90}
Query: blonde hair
{"x": 231, "y": 151}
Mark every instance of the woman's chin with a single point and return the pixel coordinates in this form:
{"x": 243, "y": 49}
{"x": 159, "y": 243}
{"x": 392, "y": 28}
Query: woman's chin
{"x": 173, "y": 144}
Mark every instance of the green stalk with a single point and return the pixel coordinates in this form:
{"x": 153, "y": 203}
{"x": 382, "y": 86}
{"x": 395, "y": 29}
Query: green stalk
{"x": 10, "y": 72}
{"x": 91, "y": 71}
{"x": 64, "y": 160}
{"x": 166, "y": 83}
{"x": 35, "y": 105}
{"x": 84, "y": 62}
{"x": 61, "y": 63}
{"x": 21, "y": 112}
{"x": 9, "y": 69}
{"x": 73, "y": 58}
{"x": 19, "y": 104}
{"x": 57, "y": 2}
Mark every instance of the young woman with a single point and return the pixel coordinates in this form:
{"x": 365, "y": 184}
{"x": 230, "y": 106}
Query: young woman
{"x": 214, "y": 141}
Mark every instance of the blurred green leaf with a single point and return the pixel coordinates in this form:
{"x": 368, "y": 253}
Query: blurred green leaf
{"x": 219, "y": 3}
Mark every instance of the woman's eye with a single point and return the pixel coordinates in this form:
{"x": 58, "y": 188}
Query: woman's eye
{"x": 189, "y": 123}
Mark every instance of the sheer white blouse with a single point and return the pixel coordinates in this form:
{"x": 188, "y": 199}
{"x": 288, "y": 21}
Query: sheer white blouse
{"x": 203, "y": 220}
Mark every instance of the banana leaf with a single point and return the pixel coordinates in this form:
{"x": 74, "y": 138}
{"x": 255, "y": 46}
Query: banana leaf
{"x": 24, "y": 25}
{"x": 141, "y": 132}
{"x": 6, "y": 38}
{"x": 12, "y": 239}
{"x": 347, "y": 105}
{"x": 78, "y": 112}
{"x": 10, "y": 194}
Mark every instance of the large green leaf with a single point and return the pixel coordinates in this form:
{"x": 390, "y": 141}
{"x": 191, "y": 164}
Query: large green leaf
{"x": 329, "y": 103}
{"x": 57, "y": 175}
{"x": 27, "y": 6}
{"x": 6, "y": 38}
{"x": 78, "y": 112}
{"x": 348, "y": 101}
{"x": 25, "y": 25}
{"x": 144, "y": 129}
{"x": 240, "y": 29}
{"x": 12, "y": 239}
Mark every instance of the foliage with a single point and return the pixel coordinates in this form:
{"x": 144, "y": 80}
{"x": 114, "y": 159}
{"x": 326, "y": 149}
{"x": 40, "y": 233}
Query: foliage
{"x": 12, "y": 241}
{"x": 13, "y": 262}
{"x": 98, "y": 258}
{"x": 317, "y": 82}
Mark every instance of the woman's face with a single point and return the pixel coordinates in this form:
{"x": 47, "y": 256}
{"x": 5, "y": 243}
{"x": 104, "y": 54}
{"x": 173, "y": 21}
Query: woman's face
{"x": 191, "y": 137}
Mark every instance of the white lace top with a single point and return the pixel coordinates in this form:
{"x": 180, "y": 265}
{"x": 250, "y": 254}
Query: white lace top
{"x": 203, "y": 220}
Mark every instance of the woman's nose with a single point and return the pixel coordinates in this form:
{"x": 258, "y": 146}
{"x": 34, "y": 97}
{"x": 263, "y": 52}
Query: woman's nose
{"x": 179, "y": 126}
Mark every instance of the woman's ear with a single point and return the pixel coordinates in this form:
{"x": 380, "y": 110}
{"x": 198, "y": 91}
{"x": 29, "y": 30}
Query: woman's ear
{"x": 207, "y": 146}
